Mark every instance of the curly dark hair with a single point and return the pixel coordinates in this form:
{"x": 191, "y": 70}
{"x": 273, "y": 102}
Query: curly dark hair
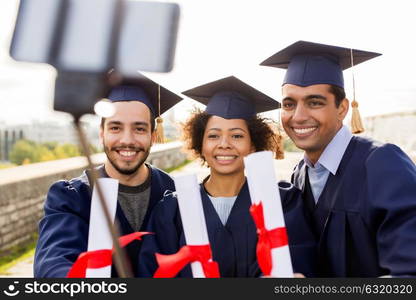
{"x": 262, "y": 135}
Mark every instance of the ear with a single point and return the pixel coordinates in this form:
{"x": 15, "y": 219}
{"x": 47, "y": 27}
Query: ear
{"x": 343, "y": 109}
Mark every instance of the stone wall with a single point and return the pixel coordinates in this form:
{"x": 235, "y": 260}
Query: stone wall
{"x": 23, "y": 190}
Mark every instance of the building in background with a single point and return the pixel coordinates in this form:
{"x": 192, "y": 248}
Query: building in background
{"x": 171, "y": 127}
{"x": 8, "y": 137}
{"x": 43, "y": 132}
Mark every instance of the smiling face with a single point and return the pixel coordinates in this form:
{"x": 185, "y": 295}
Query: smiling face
{"x": 310, "y": 117}
{"x": 225, "y": 143}
{"x": 127, "y": 138}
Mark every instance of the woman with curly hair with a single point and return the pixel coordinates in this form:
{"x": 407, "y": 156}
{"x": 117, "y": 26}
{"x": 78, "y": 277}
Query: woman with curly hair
{"x": 228, "y": 130}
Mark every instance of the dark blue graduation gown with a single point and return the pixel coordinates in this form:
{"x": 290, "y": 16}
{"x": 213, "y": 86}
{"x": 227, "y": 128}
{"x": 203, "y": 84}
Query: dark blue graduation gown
{"x": 233, "y": 244}
{"x": 63, "y": 231}
{"x": 365, "y": 219}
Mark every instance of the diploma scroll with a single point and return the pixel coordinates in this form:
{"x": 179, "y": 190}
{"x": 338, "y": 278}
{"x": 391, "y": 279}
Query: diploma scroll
{"x": 192, "y": 215}
{"x": 264, "y": 191}
{"x": 99, "y": 237}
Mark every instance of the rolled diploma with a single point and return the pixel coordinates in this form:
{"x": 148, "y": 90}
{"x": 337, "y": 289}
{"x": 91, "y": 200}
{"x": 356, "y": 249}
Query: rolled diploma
{"x": 192, "y": 215}
{"x": 99, "y": 236}
{"x": 263, "y": 187}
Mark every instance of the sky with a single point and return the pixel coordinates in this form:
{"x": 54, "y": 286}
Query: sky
{"x": 219, "y": 38}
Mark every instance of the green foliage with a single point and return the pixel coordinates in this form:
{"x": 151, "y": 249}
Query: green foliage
{"x": 60, "y": 152}
{"x": 25, "y": 151}
{"x": 168, "y": 140}
{"x": 17, "y": 253}
{"x": 50, "y": 145}
{"x": 93, "y": 150}
{"x": 289, "y": 146}
{"x": 44, "y": 154}
{"x": 66, "y": 150}
{"x": 168, "y": 170}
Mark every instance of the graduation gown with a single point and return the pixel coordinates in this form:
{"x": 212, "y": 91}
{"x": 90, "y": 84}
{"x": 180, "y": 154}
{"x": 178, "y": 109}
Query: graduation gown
{"x": 233, "y": 244}
{"x": 365, "y": 218}
{"x": 63, "y": 231}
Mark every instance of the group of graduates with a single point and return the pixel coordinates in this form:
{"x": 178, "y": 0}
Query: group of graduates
{"x": 350, "y": 209}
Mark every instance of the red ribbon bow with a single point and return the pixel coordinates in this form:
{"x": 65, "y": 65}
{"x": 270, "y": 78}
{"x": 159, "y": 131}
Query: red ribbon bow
{"x": 267, "y": 239}
{"x": 170, "y": 265}
{"x": 99, "y": 258}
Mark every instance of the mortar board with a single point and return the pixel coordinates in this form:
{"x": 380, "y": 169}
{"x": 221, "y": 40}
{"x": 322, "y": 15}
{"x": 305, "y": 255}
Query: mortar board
{"x": 231, "y": 98}
{"x": 142, "y": 89}
{"x": 310, "y": 63}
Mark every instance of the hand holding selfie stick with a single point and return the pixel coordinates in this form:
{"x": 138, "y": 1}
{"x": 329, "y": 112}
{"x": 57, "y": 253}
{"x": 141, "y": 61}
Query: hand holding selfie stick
{"x": 85, "y": 39}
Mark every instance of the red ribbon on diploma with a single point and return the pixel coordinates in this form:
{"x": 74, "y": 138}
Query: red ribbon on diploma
{"x": 267, "y": 239}
{"x": 170, "y": 265}
{"x": 99, "y": 258}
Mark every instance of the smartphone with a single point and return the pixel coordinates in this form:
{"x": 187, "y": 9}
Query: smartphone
{"x": 95, "y": 35}
{"x": 88, "y": 36}
{"x": 147, "y": 38}
{"x": 34, "y": 32}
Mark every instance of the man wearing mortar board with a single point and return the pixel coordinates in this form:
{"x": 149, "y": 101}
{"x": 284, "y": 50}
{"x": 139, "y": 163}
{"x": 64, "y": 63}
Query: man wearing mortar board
{"x": 127, "y": 137}
{"x": 360, "y": 194}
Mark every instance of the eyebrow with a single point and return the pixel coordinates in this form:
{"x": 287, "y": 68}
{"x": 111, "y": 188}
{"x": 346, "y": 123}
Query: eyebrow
{"x": 288, "y": 99}
{"x": 231, "y": 129}
{"x": 237, "y": 128}
{"x": 315, "y": 96}
{"x": 308, "y": 97}
{"x": 141, "y": 124}
{"x": 135, "y": 123}
{"x": 113, "y": 123}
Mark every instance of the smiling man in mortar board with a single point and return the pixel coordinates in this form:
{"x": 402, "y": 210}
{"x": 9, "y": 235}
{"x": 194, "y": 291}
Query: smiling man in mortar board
{"x": 127, "y": 137}
{"x": 361, "y": 194}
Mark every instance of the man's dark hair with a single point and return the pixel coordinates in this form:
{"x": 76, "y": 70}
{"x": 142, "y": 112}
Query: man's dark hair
{"x": 261, "y": 134}
{"x": 152, "y": 121}
{"x": 338, "y": 92}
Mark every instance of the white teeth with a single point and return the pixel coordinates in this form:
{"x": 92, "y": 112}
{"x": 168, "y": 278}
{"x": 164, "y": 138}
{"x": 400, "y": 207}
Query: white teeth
{"x": 304, "y": 130}
{"x": 127, "y": 153}
{"x": 223, "y": 157}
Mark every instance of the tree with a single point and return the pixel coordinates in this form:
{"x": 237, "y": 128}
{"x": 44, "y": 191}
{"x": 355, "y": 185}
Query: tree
{"x": 71, "y": 150}
{"x": 23, "y": 150}
{"x": 50, "y": 145}
{"x": 44, "y": 154}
